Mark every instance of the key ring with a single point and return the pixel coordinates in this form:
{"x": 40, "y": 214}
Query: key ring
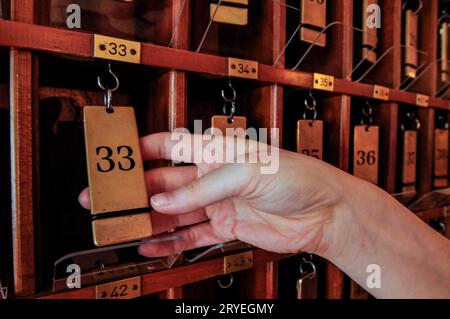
{"x": 309, "y": 263}
{"x": 230, "y": 283}
{"x": 442, "y": 121}
{"x": 229, "y": 101}
{"x": 410, "y": 116}
{"x": 108, "y": 91}
{"x": 310, "y": 107}
{"x": 367, "y": 115}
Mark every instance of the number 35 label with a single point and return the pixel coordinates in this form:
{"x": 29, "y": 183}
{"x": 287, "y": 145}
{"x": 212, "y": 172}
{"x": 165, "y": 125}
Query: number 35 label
{"x": 116, "y": 49}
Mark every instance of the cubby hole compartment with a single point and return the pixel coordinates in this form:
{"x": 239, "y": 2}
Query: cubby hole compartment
{"x": 205, "y": 100}
{"x": 64, "y": 226}
{"x": 443, "y": 86}
{"x": 5, "y": 7}
{"x": 254, "y": 283}
{"x": 329, "y": 111}
{"x": 425, "y": 81}
{"x": 289, "y": 273}
{"x": 253, "y": 41}
{"x": 384, "y": 115}
{"x": 386, "y": 72}
{"x": 441, "y": 121}
{"x": 425, "y": 146}
{"x": 320, "y": 59}
{"x": 140, "y": 20}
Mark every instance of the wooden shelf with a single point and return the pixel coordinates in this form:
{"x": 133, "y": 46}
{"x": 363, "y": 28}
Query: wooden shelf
{"x": 54, "y": 40}
{"x": 175, "y": 277}
{"x": 170, "y": 88}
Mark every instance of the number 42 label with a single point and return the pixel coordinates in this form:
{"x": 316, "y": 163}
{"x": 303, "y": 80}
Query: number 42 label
{"x": 122, "y": 289}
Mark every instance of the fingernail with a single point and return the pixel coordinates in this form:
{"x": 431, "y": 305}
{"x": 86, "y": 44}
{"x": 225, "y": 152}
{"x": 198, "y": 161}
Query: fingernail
{"x": 161, "y": 200}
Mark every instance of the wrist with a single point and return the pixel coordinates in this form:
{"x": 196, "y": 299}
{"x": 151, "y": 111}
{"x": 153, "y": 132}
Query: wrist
{"x": 347, "y": 235}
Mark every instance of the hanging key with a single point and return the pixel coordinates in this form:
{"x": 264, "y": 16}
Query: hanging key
{"x": 310, "y": 131}
{"x": 230, "y": 12}
{"x": 411, "y": 34}
{"x": 313, "y": 18}
{"x": 119, "y": 202}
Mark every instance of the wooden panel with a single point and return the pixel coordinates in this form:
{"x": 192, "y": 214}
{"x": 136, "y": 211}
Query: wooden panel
{"x": 425, "y": 150}
{"x": 22, "y": 158}
{"x": 60, "y": 41}
{"x": 175, "y": 277}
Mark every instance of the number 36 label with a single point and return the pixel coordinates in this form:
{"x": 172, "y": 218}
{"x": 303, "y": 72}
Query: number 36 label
{"x": 117, "y": 49}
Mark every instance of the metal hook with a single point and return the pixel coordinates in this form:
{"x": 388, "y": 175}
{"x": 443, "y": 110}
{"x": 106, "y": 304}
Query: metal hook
{"x": 367, "y": 113}
{"x": 309, "y": 107}
{"x": 233, "y": 91}
{"x": 420, "y": 7}
{"x": 411, "y": 117}
{"x": 313, "y": 100}
{"x": 230, "y": 283}
{"x": 229, "y": 101}
{"x": 309, "y": 263}
{"x": 108, "y": 90}
{"x": 442, "y": 121}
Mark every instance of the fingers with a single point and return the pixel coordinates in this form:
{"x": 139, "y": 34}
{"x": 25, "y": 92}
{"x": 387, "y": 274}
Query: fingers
{"x": 162, "y": 223}
{"x": 157, "y": 180}
{"x": 166, "y": 179}
{"x": 213, "y": 187}
{"x": 190, "y": 148}
{"x": 201, "y": 235}
{"x": 83, "y": 199}
{"x": 169, "y": 145}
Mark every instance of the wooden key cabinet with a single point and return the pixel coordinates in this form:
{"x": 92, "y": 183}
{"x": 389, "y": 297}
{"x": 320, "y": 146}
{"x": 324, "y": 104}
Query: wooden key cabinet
{"x": 173, "y": 58}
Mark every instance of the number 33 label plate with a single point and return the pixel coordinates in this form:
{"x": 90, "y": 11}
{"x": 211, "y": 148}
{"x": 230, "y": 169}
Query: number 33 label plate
{"x": 117, "y": 49}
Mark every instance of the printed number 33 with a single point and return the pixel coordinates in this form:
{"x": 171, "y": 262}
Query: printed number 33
{"x": 125, "y": 163}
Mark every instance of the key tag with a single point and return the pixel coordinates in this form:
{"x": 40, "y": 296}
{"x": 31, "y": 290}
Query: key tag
{"x": 229, "y": 124}
{"x": 441, "y": 139}
{"x": 119, "y": 203}
{"x": 411, "y": 36}
{"x": 307, "y": 282}
{"x": 310, "y": 131}
{"x": 409, "y": 153}
{"x": 229, "y": 11}
{"x": 366, "y": 147}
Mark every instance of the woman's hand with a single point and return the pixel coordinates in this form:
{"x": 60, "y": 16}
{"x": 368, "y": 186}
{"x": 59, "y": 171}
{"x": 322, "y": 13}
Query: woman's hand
{"x": 306, "y": 205}
{"x": 294, "y": 209}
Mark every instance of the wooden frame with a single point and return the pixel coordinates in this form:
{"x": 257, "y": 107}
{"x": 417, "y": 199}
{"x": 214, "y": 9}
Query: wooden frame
{"x": 172, "y": 78}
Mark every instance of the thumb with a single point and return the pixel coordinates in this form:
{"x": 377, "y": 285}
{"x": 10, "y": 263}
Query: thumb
{"x": 217, "y": 185}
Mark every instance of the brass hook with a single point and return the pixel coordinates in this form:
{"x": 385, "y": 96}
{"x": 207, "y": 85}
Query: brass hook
{"x": 108, "y": 90}
{"x": 230, "y": 283}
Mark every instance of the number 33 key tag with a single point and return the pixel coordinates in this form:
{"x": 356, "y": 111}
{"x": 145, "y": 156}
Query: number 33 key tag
{"x": 119, "y": 203}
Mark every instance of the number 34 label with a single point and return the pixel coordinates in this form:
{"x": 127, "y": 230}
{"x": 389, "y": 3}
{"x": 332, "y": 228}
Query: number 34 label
{"x": 243, "y": 68}
{"x": 117, "y": 49}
